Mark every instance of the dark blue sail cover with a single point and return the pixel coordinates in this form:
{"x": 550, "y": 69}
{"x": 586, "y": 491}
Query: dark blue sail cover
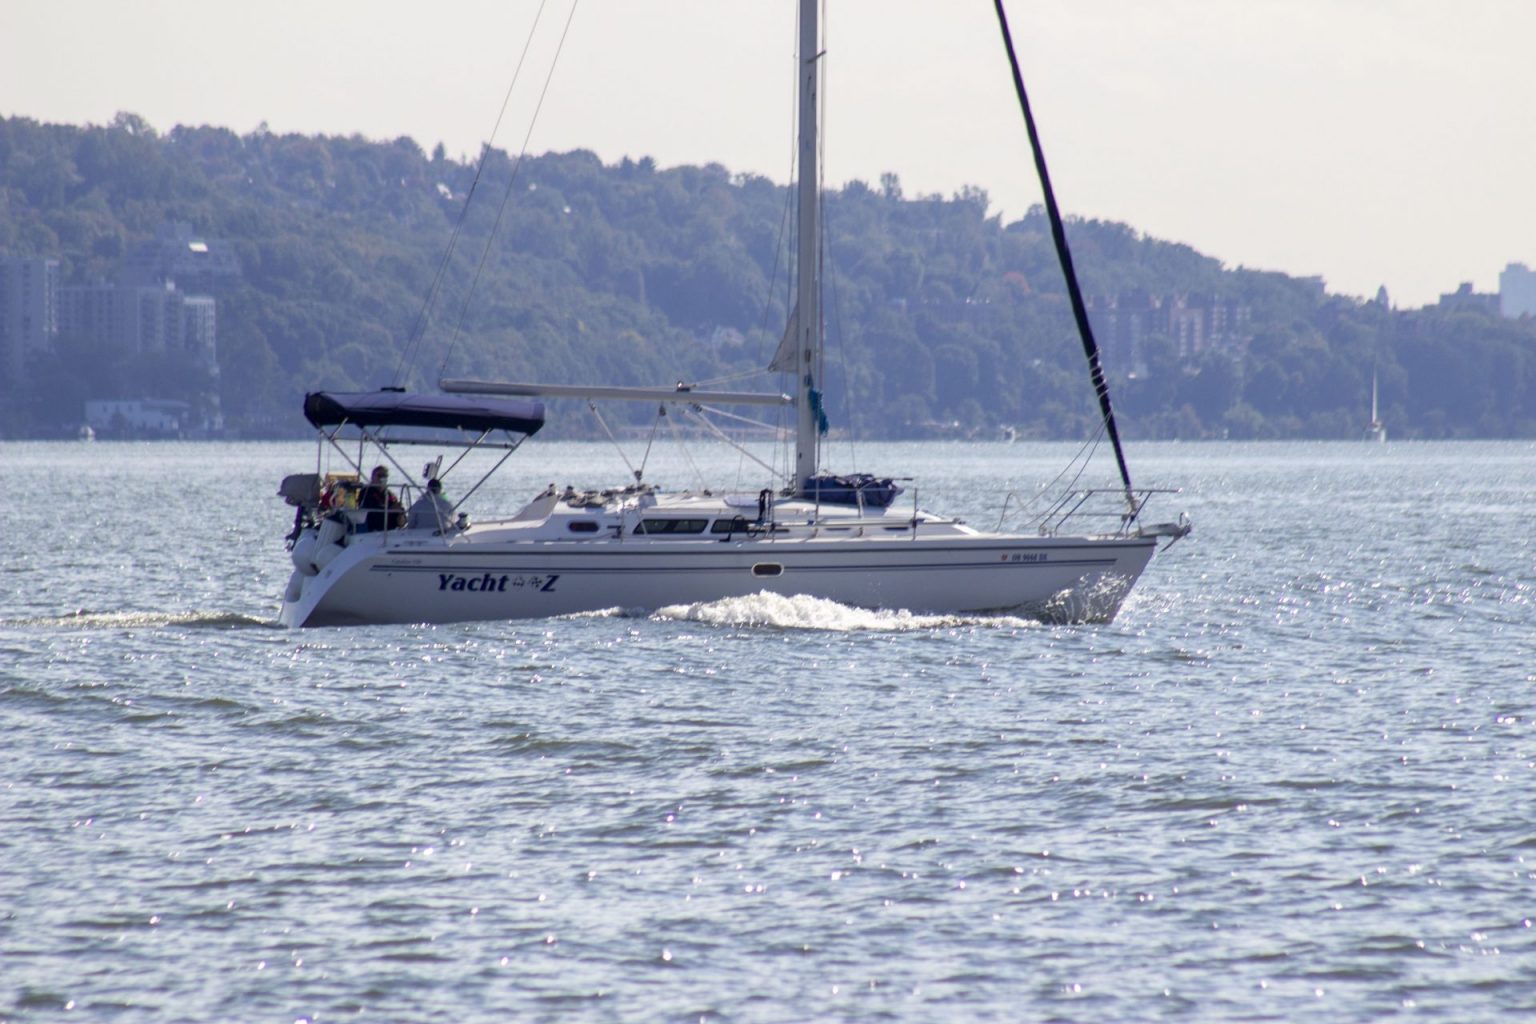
{"x": 414, "y": 409}
{"x": 853, "y": 489}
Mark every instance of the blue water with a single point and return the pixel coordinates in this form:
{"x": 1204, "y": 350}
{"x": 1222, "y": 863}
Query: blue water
{"x": 1294, "y": 780}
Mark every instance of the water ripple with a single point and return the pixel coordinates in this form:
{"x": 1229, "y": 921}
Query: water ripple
{"x": 1289, "y": 782}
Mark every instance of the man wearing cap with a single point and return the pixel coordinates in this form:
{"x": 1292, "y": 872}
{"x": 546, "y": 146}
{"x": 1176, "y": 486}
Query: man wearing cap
{"x": 377, "y": 500}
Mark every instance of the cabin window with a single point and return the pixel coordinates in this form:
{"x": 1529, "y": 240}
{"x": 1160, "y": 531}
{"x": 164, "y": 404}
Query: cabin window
{"x": 736, "y": 524}
{"x": 654, "y": 526}
{"x": 582, "y": 526}
{"x": 767, "y": 569}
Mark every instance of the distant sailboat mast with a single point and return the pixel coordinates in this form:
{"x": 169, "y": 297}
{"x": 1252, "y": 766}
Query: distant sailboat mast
{"x": 1377, "y": 431}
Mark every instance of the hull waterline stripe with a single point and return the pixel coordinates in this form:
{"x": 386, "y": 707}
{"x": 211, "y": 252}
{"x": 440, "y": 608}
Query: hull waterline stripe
{"x": 545, "y": 567}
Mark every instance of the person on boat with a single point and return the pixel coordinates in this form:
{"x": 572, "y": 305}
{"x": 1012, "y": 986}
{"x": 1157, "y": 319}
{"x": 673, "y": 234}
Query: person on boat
{"x": 380, "y": 503}
{"x": 431, "y": 511}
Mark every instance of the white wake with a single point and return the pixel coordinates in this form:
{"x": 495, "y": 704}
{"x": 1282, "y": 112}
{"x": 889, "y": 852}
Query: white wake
{"x": 776, "y": 611}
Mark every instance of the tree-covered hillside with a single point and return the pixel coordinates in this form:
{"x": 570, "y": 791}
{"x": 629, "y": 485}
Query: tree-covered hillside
{"x": 940, "y": 316}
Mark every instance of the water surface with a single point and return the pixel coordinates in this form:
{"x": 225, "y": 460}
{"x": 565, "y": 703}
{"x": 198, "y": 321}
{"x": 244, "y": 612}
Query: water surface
{"x": 1292, "y": 781}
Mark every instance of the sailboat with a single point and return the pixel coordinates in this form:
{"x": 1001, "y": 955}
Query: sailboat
{"x": 1376, "y": 430}
{"x": 845, "y": 538}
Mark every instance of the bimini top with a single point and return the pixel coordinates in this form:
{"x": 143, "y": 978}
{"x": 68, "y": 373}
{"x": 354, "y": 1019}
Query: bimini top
{"x": 388, "y": 408}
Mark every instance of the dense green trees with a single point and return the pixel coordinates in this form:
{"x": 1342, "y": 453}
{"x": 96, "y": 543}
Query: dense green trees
{"x": 564, "y": 269}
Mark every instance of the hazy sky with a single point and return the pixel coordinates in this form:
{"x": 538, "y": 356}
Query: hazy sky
{"x": 1369, "y": 141}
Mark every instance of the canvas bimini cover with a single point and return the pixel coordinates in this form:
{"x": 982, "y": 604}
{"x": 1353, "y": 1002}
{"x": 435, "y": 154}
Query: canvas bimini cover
{"x": 390, "y": 407}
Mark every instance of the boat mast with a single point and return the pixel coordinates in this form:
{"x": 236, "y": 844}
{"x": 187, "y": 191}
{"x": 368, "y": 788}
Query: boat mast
{"x": 1064, "y": 257}
{"x": 807, "y": 321}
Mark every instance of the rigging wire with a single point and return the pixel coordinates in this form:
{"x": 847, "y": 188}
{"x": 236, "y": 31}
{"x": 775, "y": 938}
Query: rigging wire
{"x": 829, "y": 279}
{"x": 501, "y": 210}
{"x": 592, "y": 408}
{"x": 842, "y": 341}
{"x": 784, "y": 450}
{"x": 418, "y": 331}
{"x": 749, "y": 421}
{"x": 842, "y": 361}
{"x": 697, "y": 412}
{"x": 711, "y": 382}
{"x": 819, "y": 328}
{"x": 661, "y": 414}
{"x": 773, "y": 276}
{"x": 682, "y": 447}
{"x": 1084, "y": 455}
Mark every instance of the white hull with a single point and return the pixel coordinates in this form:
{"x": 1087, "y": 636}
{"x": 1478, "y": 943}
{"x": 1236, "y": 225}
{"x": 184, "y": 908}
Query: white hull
{"x": 489, "y": 573}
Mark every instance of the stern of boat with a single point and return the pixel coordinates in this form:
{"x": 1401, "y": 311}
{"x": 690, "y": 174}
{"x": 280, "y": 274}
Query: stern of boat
{"x": 314, "y": 549}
